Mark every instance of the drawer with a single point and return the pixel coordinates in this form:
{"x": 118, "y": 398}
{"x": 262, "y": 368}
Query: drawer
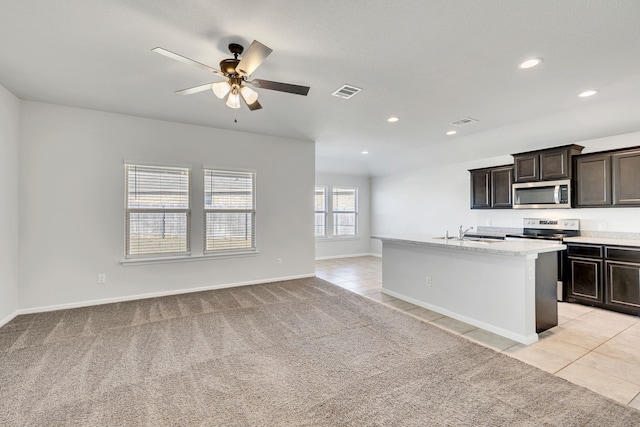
{"x": 591, "y": 251}
{"x": 622, "y": 254}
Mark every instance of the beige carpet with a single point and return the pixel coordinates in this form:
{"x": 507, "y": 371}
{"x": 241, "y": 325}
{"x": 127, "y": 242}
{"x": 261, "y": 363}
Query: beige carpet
{"x": 295, "y": 353}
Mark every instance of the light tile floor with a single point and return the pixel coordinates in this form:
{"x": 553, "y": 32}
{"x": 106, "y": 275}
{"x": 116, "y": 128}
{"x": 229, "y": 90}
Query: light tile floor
{"x": 597, "y": 349}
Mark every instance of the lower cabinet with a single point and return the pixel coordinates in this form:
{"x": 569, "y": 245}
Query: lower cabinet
{"x": 623, "y": 278}
{"x": 584, "y": 273}
{"x": 603, "y": 276}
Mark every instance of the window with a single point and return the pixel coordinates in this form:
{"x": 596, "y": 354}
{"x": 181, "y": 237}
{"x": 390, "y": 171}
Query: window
{"x": 158, "y": 211}
{"x": 345, "y": 211}
{"x": 321, "y": 211}
{"x": 229, "y": 210}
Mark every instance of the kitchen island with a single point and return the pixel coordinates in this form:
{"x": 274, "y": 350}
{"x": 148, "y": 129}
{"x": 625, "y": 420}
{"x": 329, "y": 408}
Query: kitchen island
{"x": 505, "y": 287}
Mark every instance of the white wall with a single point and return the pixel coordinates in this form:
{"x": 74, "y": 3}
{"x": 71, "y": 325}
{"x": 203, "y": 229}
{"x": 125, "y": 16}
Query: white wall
{"x": 434, "y": 200}
{"x": 72, "y": 204}
{"x": 335, "y": 247}
{"x": 9, "y": 243}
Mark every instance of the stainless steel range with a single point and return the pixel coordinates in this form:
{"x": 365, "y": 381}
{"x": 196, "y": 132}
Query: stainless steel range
{"x": 550, "y": 229}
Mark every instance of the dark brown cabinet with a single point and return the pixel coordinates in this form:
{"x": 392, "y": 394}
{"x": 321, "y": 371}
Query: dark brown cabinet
{"x": 608, "y": 179}
{"x": 545, "y": 165}
{"x": 623, "y": 278}
{"x": 626, "y": 178}
{"x": 526, "y": 167}
{"x": 480, "y": 188}
{"x": 501, "y": 180}
{"x": 617, "y": 287}
{"x": 593, "y": 180}
{"x": 491, "y": 187}
{"x": 584, "y": 273}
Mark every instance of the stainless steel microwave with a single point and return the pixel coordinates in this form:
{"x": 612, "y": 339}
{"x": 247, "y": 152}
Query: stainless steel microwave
{"x": 542, "y": 194}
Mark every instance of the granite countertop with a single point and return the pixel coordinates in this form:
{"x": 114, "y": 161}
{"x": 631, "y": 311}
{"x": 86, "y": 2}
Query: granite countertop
{"x": 603, "y": 241}
{"x": 495, "y": 247}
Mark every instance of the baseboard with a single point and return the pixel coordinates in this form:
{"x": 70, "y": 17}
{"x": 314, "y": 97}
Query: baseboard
{"x": 321, "y": 258}
{"x": 523, "y": 339}
{"x": 8, "y": 319}
{"x": 154, "y": 295}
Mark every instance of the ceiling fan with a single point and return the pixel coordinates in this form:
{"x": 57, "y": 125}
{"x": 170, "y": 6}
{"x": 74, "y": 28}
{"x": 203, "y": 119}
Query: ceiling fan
{"x": 236, "y": 72}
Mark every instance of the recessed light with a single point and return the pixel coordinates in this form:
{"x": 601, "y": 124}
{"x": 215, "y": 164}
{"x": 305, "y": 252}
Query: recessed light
{"x": 451, "y": 132}
{"x": 587, "y": 93}
{"x": 392, "y": 119}
{"x": 365, "y": 152}
{"x": 530, "y": 63}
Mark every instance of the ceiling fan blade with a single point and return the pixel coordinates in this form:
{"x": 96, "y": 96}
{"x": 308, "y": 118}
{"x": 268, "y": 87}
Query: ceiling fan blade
{"x": 185, "y": 60}
{"x": 281, "y": 87}
{"x": 252, "y": 58}
{"x": 255, "y": 106}
{"x": 194, "y": 89}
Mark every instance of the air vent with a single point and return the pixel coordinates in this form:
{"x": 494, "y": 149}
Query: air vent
{"x": 346, "y": 91}
{"x": 464, "y": 122}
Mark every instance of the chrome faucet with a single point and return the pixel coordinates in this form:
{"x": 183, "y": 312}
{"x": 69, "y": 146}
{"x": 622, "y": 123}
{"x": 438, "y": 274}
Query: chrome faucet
{"x": 462, "y": 233}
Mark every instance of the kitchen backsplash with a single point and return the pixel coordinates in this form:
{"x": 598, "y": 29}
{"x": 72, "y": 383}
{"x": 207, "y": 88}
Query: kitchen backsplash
{"x": 609, "y": 234}
{"x": 506, "y": 230}
{"x": 583, "y": 233}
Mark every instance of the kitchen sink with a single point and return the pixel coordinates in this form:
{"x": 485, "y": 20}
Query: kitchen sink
{"x": 483, "y": 240}
{"x": 471, "y": 239}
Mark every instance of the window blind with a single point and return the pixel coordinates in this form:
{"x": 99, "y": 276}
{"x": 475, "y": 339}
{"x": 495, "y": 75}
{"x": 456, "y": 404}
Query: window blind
{"x": 321, "y": 211}
{"x": 345, "y": 211}
{"x": 157, "y": 210}
{"x": 229, "y": 208}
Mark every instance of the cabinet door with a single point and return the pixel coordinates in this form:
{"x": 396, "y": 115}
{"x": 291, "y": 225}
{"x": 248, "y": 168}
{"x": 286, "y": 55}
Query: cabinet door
{"x": 554, "y": 164}
{"x": 501, "y": 180}
{"x": 593, "y": 181}
{"x": 480, "y": 189}
{"x": 527, "y": 167}
{"x": 585, "y": 279}
{"x": 626, "y": 178}
{"x": 623, "y": 285}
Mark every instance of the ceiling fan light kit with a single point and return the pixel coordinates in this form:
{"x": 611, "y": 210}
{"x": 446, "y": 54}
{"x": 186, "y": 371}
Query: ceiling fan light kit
{"x": 236, "y": 71}
{"x": 221, "y": 89}
{"x": 249, "y": 95}
{"x": 233, "y": 100}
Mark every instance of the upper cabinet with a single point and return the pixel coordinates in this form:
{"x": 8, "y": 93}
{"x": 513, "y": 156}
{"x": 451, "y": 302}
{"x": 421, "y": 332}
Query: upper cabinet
{"x": 526, "y": 167}
{"x": 491, "y": 187}
{"x": 626, "y": 178}
{"x": 604, "y": 179}
{"x": 501, "y": 180}
{"x": 593, "y": 180}
{"x": 545, "y": 165}
{"x": 608, "y": 179}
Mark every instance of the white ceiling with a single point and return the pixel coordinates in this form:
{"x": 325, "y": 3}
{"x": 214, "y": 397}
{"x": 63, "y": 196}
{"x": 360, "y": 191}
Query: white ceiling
{"x": 429, "y": 62}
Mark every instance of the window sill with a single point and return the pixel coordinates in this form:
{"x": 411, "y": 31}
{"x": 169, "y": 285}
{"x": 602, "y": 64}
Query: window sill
{"x": 336, "y": 238}
{"x": 186, "y": 258}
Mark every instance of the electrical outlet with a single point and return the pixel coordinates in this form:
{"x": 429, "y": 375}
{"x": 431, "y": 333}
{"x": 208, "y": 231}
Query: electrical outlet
{"x": 102, "y": 278}
{"x": 487, "y": 222}
{"x": 602, "y": 226}
{"x": 428, "y": 280}
{"x": 279, "y": 261}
